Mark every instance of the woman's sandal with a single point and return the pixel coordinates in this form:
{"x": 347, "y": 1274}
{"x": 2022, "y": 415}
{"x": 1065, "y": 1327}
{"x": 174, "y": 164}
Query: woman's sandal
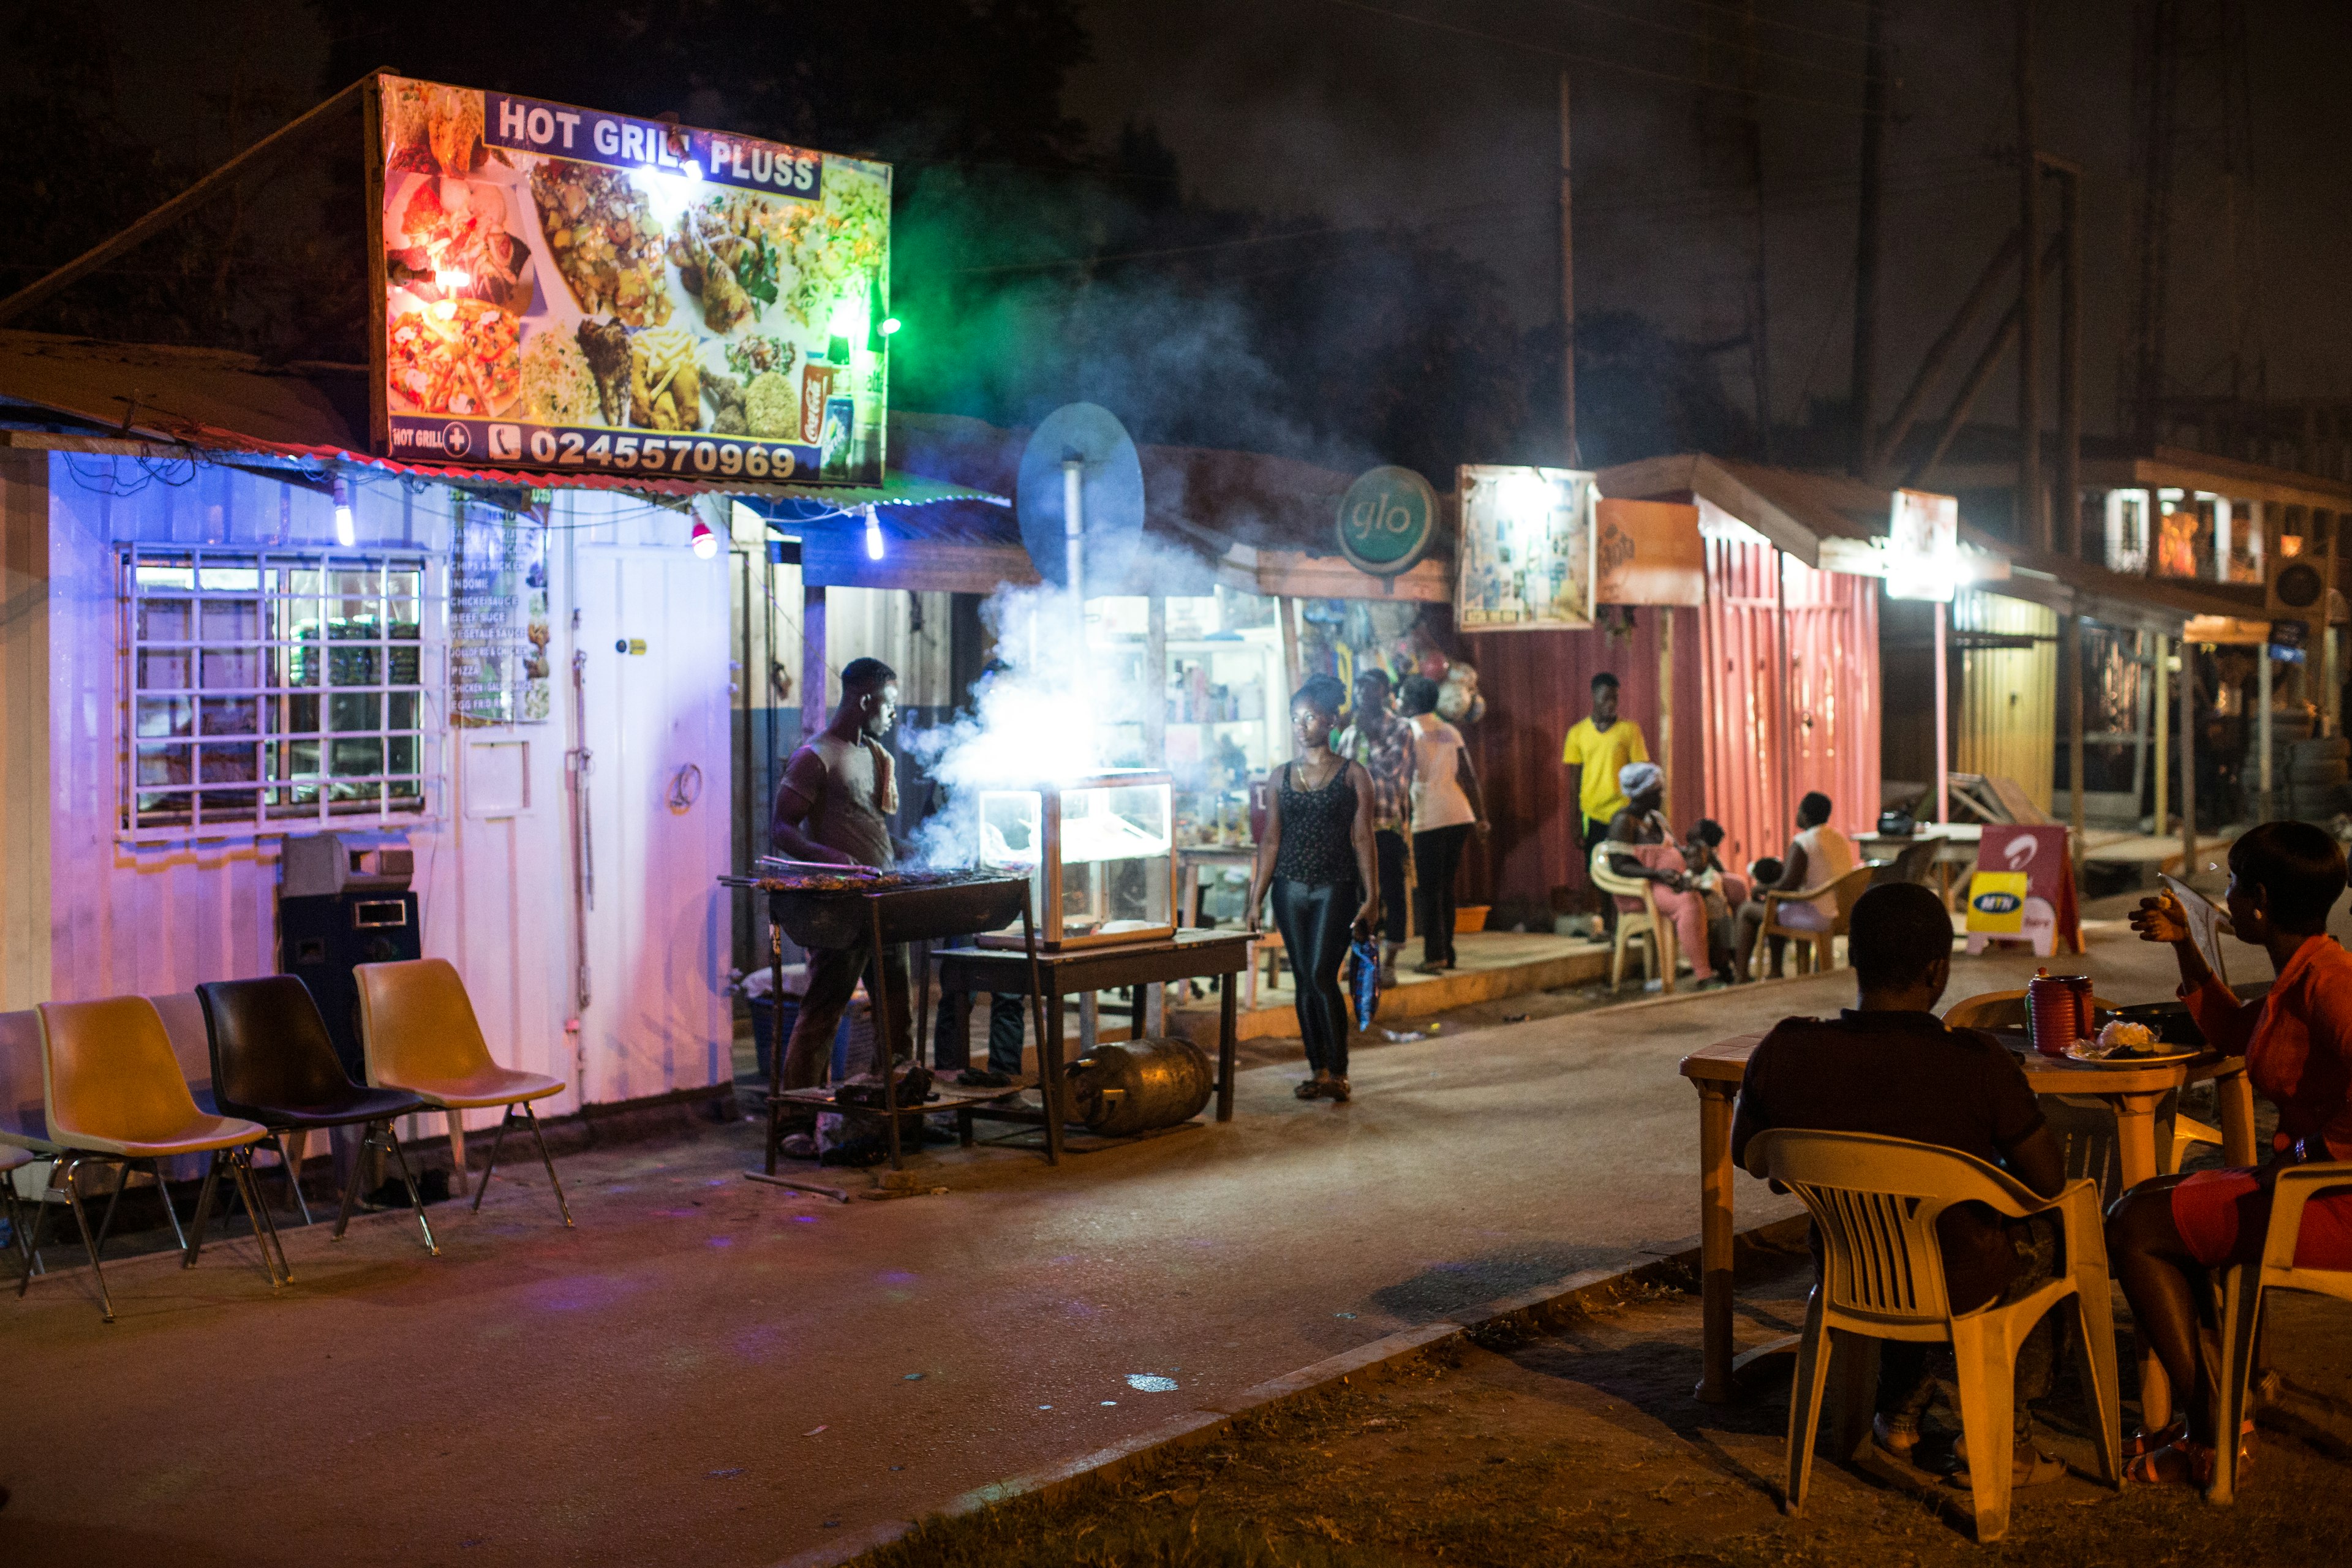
{"x": 2147, "y": 1442}
{"x": 1336, "y": 1092}
{"x": 1311, "y": 1088}
{"x": 2183, "y": 1462}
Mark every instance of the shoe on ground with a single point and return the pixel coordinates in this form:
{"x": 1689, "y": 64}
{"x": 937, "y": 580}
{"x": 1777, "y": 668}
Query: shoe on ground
{"x": 1336, "y": 1092}
{"x": 2029, "y": 1467}
{"x": 1311, "y": 1088}
{"x": 800, "y": 1146}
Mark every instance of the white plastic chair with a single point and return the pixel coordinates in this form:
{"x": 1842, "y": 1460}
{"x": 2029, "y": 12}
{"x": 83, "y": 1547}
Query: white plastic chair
{"x": 1659, "y": 957}
{"x": 2242, "y": 1304}
{"x": 1875, "y": 1202}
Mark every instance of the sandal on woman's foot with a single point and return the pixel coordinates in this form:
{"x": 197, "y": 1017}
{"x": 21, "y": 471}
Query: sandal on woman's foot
{"x": 2147, "y": 1442}
{"x": 1311, "y": 1088}
{"x": 2177, "y": 1464}
{"x": 1336, "y": 1090}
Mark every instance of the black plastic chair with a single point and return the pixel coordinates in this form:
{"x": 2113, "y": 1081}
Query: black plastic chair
{"x": 273, "y": 1062}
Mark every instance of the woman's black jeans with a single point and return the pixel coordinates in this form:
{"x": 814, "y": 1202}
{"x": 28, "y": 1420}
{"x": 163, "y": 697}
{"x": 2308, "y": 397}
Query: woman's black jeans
{"x": 1316, "y": 922}
{"x": 1436, "y": 856}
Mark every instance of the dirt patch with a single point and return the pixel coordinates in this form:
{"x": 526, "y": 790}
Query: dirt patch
{"x": 1583, "y": 1445}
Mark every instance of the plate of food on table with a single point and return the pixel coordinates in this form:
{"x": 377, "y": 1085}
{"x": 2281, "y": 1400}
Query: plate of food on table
{"x": 2124, "y": 1044}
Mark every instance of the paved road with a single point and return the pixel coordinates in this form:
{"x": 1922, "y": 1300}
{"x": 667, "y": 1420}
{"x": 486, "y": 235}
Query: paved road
{"x": 714, "y": 1369}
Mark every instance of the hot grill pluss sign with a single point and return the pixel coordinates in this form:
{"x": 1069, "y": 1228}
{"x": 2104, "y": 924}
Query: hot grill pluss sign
{"x": 562, "y": 289}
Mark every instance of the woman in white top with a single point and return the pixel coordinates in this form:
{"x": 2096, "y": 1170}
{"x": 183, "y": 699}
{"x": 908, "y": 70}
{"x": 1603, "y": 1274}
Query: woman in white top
{"x": 1447, "y": 805}
{"x": 1817, "y": 855}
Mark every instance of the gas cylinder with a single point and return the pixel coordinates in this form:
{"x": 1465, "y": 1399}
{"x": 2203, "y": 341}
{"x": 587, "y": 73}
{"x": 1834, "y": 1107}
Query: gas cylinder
{"x": 1136, "y": 1086}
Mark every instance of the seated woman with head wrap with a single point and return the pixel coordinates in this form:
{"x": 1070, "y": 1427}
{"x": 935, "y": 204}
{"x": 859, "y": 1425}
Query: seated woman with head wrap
{"x": 1639, "y": 847}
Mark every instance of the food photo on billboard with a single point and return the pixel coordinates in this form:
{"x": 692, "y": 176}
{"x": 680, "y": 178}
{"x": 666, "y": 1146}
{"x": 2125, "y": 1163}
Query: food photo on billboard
{"x": 564, "y": 288}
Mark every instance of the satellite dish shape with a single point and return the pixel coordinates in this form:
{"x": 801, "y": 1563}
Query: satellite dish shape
{"x": 1111, "y": 496}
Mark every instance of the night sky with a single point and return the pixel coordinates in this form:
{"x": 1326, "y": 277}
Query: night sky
{"x": 1320, "y": 109}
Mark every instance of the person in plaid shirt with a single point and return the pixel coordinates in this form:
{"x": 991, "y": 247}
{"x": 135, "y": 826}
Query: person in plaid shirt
{"x": 1382, "y": 743}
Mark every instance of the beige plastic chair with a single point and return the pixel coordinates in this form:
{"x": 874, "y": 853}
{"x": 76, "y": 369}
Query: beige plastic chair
{"x": 2242, "y": 1304}
{"x": 418, "y": 1032}
{"x": 1875, "y": 1202}
{"x": 11, "y": 1161}
{"x": 1818, "y": 944}
{"x": 112, "y": 1090}
{"x": 1659, "y": 957}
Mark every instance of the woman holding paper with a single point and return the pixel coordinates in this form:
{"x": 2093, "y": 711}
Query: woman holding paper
{"x": 2165, "y": 1235}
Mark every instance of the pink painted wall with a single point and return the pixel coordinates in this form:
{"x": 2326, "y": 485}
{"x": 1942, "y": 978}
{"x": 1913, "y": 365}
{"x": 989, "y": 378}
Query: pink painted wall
{"x": 1829, "y": 726}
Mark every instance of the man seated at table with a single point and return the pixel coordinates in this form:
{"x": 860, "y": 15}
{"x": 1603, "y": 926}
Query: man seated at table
{"x": 1888, "y": 1066}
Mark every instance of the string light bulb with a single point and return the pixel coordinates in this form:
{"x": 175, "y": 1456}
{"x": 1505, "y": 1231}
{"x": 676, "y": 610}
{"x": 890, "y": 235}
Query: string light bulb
{"x": 873, "y": 535}
{"x": 346, "y": 532}
{"x": 704, "y": 539}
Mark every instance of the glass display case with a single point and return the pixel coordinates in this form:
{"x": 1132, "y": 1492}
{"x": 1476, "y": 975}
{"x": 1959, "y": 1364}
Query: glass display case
{"x": 1099, "y": 850}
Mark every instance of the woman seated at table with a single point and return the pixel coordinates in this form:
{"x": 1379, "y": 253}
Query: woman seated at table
{"x": 2164, "y": 1233}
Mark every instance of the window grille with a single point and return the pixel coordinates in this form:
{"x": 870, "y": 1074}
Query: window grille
{"x": 272, "y": 691}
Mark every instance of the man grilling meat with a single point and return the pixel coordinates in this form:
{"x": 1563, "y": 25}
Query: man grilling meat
{"x": 833, "y": 805}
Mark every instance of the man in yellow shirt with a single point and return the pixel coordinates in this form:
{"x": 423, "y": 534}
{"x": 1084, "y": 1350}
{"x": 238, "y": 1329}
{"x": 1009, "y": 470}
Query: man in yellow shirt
{"x": 1595, "y": 750}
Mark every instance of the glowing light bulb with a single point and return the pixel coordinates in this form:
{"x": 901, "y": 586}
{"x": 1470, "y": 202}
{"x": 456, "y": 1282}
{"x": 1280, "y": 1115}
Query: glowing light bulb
{"x": 346, "y": 532}
{"x": 704, "y": 539}
{"x": 873, "y": 536}
{"x": 891, "y": 324}
{"x": 452, "y": 276}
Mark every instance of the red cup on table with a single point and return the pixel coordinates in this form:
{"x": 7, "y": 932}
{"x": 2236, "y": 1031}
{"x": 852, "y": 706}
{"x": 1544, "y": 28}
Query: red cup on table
{"x": 2057, "y": 1006}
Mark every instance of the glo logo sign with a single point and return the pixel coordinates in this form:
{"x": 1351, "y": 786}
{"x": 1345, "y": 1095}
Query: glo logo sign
{"x": 1387, "y": 520}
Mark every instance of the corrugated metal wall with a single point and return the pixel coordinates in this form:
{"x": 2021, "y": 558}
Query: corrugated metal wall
{"x": 24, "y": 729}
{"x": 1832, "y": 696}
{"x": 2007, "y": 722}
{"x": 1537, "y": 685}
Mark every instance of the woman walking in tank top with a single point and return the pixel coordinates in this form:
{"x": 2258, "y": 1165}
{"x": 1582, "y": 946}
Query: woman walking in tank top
{"x": 1317, "y": 857}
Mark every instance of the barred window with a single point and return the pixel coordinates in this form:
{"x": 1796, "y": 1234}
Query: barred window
{"x": 270, "y": 690}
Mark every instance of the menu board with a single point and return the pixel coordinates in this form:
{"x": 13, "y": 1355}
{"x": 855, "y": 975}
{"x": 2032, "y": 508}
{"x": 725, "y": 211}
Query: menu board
{"x": 499, "y": 621}
{"x": 1525, "y": 559}
{"x": 566, "y": 290}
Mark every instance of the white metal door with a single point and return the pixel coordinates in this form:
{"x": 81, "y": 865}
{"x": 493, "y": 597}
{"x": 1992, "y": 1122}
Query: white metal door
{"x": 653, "y": 626}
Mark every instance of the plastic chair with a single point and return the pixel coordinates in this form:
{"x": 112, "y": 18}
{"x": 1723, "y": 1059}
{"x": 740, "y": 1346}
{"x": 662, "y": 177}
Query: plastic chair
{"x": 1658, "y": 958}
{"x": 11, "y": 1160}
{"x": 1845, "y": 889}
{"x": 113, "y": 1092}
{"x": 273, "y": 1062}
{"x": 2242, "y": 1304}
{"x": 418, "y": 1031}
{"x": 1912, "y": 863}
{"x": 1874, "y": 1202}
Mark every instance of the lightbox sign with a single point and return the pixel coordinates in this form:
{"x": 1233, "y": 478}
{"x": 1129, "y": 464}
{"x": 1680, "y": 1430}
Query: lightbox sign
{"x": 560, "y": 289}
{"x": 1526, "y": 551}
{"x": 1923, "y": 547}
{"x": 1387, "y": 520}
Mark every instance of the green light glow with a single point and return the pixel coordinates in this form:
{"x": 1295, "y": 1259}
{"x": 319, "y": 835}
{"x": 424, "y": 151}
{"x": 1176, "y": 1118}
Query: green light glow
{"x": 890, "y": 324}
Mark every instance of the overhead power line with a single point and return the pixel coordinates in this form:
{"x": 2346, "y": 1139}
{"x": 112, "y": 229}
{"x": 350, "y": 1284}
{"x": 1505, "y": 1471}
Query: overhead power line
{"x": 1547, "y": 52}
{"x": 1639, "y": 21}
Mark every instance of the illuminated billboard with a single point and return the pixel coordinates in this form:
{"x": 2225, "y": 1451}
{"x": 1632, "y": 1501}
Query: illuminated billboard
{"x": 560, "y": 288}
{"x": 1525, "y": 560}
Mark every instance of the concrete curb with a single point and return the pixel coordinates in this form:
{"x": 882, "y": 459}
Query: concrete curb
{"x": 1521, "y": 1312}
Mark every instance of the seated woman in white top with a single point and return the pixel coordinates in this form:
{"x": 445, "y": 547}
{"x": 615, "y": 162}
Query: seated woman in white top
{"x": 1818, "y": 854}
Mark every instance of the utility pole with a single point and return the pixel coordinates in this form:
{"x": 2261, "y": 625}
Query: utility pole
{"x": 1864, "y": 380}
{"x": 2032, "y": 521}
{"x": 1759, "y": 340}
{"x": 1567, "y": 288}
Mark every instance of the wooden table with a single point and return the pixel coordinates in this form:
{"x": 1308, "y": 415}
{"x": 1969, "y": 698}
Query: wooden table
{"x": 1190, "y": 955}
{"x": 1715, "y": 1071}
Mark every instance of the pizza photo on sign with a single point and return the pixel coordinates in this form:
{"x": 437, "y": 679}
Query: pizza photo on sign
{"x": 569, "y": 289}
